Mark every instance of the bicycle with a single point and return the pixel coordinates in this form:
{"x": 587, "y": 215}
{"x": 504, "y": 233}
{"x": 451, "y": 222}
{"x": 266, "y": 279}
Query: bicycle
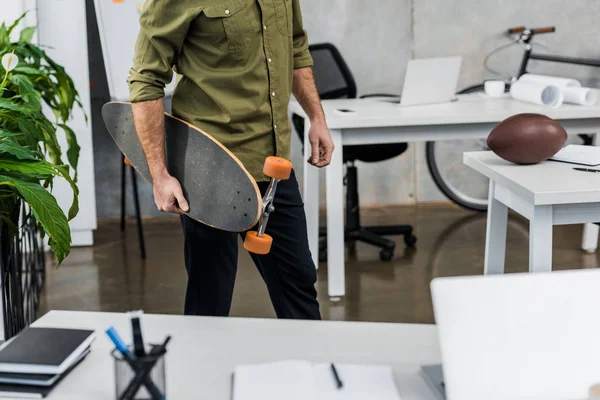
{"x": 464, "y": 186}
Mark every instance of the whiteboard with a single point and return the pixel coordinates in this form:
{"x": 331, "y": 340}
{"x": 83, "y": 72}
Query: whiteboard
{"x": 118, "y": 26}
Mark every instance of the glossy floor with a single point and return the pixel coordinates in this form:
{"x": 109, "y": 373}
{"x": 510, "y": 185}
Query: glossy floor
{"x": 111, "y": 277}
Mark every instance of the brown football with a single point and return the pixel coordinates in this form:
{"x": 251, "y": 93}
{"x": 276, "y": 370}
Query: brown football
{"x": 527, "y": 138}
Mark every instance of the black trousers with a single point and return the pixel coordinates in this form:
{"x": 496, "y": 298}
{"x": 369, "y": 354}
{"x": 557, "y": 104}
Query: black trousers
{"x": 211, "y": 259}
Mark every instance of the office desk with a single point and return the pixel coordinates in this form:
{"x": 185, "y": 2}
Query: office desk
{"x": 373, "y": 122}
{"x": 204, "y": 351}
{"x": 547, "y": 194}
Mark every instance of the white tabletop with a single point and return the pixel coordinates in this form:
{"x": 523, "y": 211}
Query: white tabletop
{"x": 471, "y": 108}
{"x": 549, "y": 182}
{"x": 204, "y": 351}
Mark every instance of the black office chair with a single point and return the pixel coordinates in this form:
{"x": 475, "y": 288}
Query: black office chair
{"x": 334, "y": 80}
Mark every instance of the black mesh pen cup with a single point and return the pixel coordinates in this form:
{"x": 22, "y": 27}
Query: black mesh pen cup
{"x": 140, "y": 379}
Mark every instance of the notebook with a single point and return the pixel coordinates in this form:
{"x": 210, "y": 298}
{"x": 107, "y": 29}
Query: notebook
{"x": 18, "y": 389}
{"x": 301, "y": 380}
{"x": 44, "y": 350}
{"x": 579, "y": 154}
{"x": 37, "y": 379}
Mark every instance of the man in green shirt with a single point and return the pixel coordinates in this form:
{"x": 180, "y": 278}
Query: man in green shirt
{"x": 238, "y": 61}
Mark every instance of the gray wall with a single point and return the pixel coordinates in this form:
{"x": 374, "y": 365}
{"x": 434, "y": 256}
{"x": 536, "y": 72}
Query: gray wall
{"x": 377, "y": 38}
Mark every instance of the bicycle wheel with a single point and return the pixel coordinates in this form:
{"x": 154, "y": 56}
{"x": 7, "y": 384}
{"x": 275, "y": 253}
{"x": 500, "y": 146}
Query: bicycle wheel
{"x": 461, "y": 184}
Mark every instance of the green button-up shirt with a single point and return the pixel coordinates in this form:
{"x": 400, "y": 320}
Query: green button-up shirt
{"x": 234, "y": 60}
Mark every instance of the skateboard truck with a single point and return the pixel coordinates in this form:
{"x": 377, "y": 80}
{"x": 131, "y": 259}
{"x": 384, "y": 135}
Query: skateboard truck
{"x": 278, "y": 169}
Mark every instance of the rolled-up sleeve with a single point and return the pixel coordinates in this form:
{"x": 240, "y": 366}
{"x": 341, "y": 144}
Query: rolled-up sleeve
{"x": 163, "y": 28}
{"x": 302, "y": 57}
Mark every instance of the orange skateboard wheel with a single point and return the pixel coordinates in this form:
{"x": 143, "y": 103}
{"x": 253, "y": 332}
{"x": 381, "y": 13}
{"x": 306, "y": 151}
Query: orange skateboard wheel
{"x": 127, "y": 162}
{"x": 278, "y": 168}
{"x": 258, "y": 244}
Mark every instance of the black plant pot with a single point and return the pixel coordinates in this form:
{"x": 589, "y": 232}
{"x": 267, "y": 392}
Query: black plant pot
{"x": 22, "y": 269}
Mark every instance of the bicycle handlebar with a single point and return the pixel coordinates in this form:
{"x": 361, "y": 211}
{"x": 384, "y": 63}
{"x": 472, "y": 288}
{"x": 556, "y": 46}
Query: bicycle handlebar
{"x": 535, "y": 31}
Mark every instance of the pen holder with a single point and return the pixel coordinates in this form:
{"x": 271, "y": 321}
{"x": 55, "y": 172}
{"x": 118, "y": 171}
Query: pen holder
{"x": 132, "y": 381}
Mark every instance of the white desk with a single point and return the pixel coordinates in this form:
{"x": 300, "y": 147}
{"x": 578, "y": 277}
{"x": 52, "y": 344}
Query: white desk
{"x": 547, "y": 194}
{"x": 204, "y": 351}
{"x": 472, "y": 116}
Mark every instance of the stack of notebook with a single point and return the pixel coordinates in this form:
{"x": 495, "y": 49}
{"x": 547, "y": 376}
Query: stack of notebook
{"x": 33, "y": 362}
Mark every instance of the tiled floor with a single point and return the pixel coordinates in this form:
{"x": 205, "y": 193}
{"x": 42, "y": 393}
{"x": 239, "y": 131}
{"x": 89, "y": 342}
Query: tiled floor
{"x": 111, "y": 276}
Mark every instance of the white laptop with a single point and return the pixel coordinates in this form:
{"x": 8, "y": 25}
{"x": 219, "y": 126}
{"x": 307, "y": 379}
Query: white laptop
{"x": 431, "y": 81}
{"x": 519, "y": 336}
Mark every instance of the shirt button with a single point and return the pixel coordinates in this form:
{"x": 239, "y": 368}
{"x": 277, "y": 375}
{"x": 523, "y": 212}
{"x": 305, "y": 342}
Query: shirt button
{"x": 273, "y": 94}
{"x": 275, "y": 126}
{"x": 265, "y": 27}
{"x": 227, "y": 11}
{"x": 270, "y": 60}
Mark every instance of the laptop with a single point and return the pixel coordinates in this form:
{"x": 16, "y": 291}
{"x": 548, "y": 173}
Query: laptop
{"x": 519, "y": 336}
{"x": 431, "y": 81}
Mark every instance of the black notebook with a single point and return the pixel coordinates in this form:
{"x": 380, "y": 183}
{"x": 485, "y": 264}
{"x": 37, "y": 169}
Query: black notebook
{"x": 34, "y": 391}
{"x": 44, "y": 350}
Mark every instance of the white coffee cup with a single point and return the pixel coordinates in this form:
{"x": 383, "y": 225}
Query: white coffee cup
{"x": 495, "y": 88}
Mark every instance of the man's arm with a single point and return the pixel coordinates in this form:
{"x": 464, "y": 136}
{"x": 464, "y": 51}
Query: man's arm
{"x": 305, "y": 91}
{"x": 163, "y": 27}
{"x": 150, "y": 125}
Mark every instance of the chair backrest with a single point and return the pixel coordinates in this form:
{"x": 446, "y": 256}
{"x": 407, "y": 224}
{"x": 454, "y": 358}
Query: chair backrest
{"x": 332, "y": 75}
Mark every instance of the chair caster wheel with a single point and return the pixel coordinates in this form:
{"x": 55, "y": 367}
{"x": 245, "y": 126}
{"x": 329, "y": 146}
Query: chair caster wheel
{"x": 410, "y": 241}
{"x": 386, "y": 254}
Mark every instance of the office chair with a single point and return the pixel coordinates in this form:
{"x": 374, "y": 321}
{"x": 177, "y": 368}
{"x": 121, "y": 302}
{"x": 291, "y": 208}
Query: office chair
{"x": 334, "y": 80}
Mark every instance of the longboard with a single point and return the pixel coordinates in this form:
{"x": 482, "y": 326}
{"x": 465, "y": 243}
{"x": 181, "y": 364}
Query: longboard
{"x": 221, "y": 193}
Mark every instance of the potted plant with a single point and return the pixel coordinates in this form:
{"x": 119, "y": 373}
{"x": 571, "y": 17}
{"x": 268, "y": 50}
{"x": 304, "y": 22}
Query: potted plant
{"x": 37, "y": 97}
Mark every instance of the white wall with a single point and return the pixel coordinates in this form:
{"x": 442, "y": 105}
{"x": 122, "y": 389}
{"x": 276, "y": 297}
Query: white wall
{"x": 63, "y": 33}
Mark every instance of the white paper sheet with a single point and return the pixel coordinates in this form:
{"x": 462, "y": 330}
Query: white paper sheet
{"x": 537, "y": 93}
{"x": 579, "y": 154}
{"x": 300, "y": 380}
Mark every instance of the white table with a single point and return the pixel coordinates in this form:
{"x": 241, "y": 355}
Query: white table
{"x": 204, "y": 351}
{"x": 547, "y": 194}
{"x": 373, "y": 121}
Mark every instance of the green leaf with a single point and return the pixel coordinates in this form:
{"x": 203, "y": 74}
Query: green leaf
{"x": 16, "y": 23}
{"x": 74, "y": 149}
{"x": 37, "y": 169}
{"x": 28, "y": 70}
{"x": 46, "y": 210}
{"x": 22, "y": 153}
{"x": 26, "y": 90}
{"x": 14, "y": 107}
{"x": 4, "y": 37}
{"x": 27, "y": 34}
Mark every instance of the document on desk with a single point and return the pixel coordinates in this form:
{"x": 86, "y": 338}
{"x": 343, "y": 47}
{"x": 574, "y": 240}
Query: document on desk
{"x": 579, "y": 154}
{"x": 301, "y": 380}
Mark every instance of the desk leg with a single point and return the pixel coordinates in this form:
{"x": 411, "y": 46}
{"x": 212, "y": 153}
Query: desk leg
{"x": 310, "y": 196}
{"x": 590, "y": 231}
{"x": 335, "y": 219}
{"x": 495, "y": 239}
{"x": 590, "y": 238}
{"x": 540, "y": 240}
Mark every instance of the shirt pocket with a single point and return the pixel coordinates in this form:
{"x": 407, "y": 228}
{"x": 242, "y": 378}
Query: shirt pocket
{"x": 284, "y": 13}
{"x": 235, "y": 17}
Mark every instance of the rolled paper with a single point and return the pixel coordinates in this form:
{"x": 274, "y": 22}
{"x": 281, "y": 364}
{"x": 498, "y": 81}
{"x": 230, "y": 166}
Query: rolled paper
{"x": 581, "y": 96}
{"x": 550, "y": 80}
{"x": 547, "y": 95}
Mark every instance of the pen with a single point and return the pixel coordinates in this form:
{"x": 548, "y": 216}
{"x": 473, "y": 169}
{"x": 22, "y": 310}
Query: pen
{"x": 586, "y": 170}
{"x": 122, "y": 348}
{"x": 138, "y": 340}
{"x": 338, "y": 381}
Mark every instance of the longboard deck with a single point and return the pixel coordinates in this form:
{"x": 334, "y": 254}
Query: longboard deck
{"x": 221, "y": 193}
